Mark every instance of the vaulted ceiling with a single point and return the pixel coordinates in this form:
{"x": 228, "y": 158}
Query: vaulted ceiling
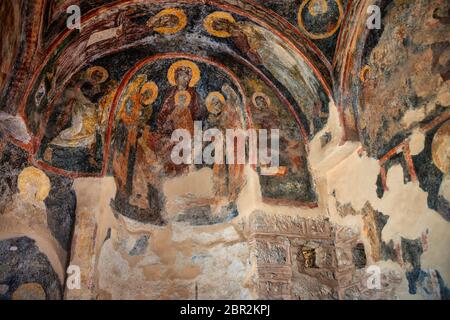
{"x": 304, "y": 53}
{"x": 283, "y": 45}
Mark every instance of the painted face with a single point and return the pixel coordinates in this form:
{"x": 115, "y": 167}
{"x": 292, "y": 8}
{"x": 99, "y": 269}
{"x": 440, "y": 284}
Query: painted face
{"x": 183, "y": 76}
{"x": 97, "y": 76}
{"x": 261, "y": 103}
{"x": 32, "y": 190}
{"x": 146, "y": 95}
{"x": 166, "y": 21}
{"x": 318, "y": 7}
{"x": 183, "y": 100}
{"x": 216, "y": 105}
{"x": 223, "y": 25}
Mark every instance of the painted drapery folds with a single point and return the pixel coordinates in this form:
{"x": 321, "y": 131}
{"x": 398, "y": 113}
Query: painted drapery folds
{"x": 105, "y": 115}
{"x": 87, "y": 170}
{"x": 162, "y": 96}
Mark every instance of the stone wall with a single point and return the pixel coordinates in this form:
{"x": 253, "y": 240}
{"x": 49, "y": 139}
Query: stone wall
{"x": 400, "y": 233}
{"x": 273, "y": 251}
{"x": 375, "y": 168}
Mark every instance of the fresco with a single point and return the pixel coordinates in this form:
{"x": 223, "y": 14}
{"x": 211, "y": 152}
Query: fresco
{"x": 399, "y": 125}
{"x": 407, "y": 101}
{"x": 87, "y": 148}
{"x": 79, "y": 122}
{"x": 318, "y": 20}
{"x": 38, "y": 212}
{"x": 262, "y": 48}
{"x": 429, "y": 166}
{"x": 10, "y": 13}
{"x": 79, "y": 139}
{"x": 27, "y": 273}
{"x": 166, "y": 95}
{"x": 432, "y": 166}
{"x": 292, "y": 183}
{"x": 218, "y": 34}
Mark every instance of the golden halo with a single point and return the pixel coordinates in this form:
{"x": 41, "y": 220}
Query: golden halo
{"x": 36, "y": 177}
{"x": 209, "y": 20}
{"x": 182, "y": 20}
{"x": 131, "y": 97}
{"x": 184, "y": 63}
{"x": 312, "y": 9}
{"x": 154, "y": 88}
{"x": 262, "y": 95}
{"x": 325, "y": 35}
{"x": 440, "y": 149}
{"x": 103, "y": 72}
{"x": 184, "y": 93}
{"x": 209, "y": 98}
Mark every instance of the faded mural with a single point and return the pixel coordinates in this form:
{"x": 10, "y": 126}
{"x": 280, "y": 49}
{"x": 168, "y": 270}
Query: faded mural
{"x": 87, "y": 177}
